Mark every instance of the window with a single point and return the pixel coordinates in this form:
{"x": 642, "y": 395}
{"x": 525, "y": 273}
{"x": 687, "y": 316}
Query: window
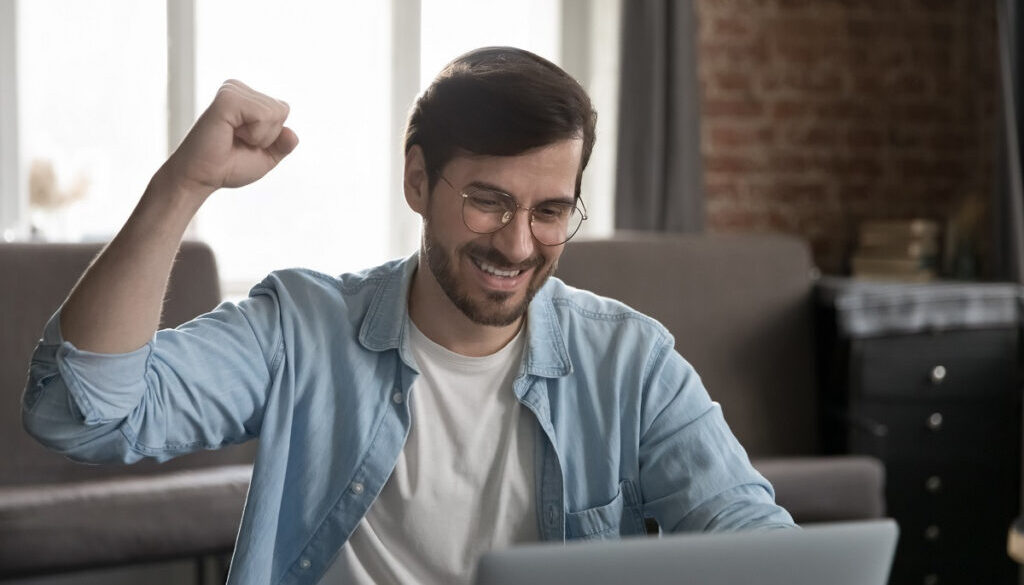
{"x": 452, "y": 27}
{"x": 326, "y": 205}
{"x": 93, "y": 113}
{"x": 91, "y": 122}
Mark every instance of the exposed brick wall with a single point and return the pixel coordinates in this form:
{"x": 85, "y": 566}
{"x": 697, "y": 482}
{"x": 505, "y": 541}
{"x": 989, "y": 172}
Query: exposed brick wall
{"x": 819, "y": 113}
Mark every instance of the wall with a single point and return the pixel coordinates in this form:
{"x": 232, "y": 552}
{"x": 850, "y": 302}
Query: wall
{"x": 819, "y": 113}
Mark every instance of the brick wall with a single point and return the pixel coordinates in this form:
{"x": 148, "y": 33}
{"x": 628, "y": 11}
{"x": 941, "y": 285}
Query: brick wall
{"x": 819, "y": 113}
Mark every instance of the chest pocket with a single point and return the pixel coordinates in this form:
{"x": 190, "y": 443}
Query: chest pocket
{"x": 620, "y": 517}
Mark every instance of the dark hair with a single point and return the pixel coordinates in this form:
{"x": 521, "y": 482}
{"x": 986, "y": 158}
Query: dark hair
{"x": 499, "y": 101}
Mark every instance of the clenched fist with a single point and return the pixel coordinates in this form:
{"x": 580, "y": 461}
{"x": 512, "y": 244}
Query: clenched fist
{"x": 237, "y": 140}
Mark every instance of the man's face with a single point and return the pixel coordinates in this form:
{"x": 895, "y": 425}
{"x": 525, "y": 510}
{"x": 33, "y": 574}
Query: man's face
{"x": 492, "y": 277}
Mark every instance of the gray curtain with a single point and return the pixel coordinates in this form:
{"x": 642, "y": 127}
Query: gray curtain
{"x": 659, "y": 183}
{"x": 1008, "y": 202}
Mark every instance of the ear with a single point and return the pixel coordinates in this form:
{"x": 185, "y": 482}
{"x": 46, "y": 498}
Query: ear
{"x": 416, "y": 182}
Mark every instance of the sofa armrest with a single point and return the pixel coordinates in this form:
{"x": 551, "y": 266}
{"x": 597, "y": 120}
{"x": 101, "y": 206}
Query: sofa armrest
{"x": 827, "y": 489}
{"x": 67, "y": 526}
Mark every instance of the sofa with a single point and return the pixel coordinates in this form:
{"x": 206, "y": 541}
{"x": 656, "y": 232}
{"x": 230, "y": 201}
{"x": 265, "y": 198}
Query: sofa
{"x": 739, "y": 307}
{"x": 741, "y": 310}
{"x": 57, "y": 515}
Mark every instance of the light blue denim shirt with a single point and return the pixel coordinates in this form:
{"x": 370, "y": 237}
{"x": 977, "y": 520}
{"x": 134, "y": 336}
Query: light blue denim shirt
{"x": 319, "y": 369}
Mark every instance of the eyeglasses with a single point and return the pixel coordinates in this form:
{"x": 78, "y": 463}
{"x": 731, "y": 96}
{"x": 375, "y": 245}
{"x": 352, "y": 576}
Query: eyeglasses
{"x": 552, "y": 223}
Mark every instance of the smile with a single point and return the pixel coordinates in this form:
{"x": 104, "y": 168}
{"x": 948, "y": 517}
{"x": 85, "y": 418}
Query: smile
{"x": 491, "y": 269}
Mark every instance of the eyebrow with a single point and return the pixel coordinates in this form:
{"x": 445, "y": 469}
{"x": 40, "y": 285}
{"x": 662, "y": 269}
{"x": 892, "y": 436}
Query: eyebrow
{"x": 492, "y": 187}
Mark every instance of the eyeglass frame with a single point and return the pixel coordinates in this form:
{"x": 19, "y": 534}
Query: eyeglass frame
{"x": 519, "y": 206}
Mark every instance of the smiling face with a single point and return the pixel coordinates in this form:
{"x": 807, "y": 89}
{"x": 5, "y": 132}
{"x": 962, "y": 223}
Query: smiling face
{"x": 491, "y": 278}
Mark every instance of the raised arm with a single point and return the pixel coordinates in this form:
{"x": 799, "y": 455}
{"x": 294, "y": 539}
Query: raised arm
{"x": 116, "y": 305}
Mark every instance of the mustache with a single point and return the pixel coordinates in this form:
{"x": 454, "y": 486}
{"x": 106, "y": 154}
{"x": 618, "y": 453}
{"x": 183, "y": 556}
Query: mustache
{"x": 493, "y": 256}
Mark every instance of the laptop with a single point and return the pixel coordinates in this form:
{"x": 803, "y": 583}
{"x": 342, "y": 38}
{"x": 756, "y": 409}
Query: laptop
{"x": 845, "y": 553}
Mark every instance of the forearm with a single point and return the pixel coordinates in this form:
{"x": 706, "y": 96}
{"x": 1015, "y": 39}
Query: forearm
{"x": 116, "y": 305}
{"x": 695, "y": 474}
{"x": 741, "y": 507}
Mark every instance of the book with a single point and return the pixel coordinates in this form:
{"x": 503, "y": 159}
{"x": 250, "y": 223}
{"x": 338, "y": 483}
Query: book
{"x": 915, "y": 277}
{"x": 910, "y": 249}
{"x": 904, "y": 250}
{"x": 888, "y": 231}
{"x": 862, "y": 264}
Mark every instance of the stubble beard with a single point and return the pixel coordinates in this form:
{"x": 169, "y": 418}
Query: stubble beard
{"x": 493, "y": 311}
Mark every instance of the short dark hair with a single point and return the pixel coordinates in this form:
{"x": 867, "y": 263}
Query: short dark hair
{"x": 499, "y": 101}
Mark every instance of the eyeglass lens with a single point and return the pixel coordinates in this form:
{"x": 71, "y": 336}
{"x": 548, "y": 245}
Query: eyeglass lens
{"x": 552, "y": 223}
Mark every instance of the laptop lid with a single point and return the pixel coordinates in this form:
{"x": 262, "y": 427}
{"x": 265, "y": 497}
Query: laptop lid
{"x": 847, "y": 553}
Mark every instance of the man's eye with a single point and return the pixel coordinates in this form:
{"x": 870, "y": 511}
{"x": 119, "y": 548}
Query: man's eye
{"x": 487, "y": 202}
{"x": 551, "y": 212}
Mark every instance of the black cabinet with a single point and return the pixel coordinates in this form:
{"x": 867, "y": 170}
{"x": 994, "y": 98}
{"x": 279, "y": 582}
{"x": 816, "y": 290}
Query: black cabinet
{"x": 927, "y": 379}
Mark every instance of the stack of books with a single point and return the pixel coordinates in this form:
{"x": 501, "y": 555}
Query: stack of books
{"x": 902, "y": 250}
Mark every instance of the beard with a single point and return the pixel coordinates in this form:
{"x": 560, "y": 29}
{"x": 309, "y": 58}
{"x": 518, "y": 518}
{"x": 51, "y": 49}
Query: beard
{"x": 494, "y": 309}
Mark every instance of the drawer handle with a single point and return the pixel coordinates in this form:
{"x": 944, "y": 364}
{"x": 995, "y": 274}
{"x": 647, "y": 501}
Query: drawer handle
{"x": 933, "y": 484}
{"x": 932, "y": 533}
{"x": 938, "y": 375}
{"x": 935, "y": 421}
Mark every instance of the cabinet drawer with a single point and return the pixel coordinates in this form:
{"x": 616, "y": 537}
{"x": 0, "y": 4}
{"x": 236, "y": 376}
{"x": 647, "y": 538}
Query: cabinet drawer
{"x": 983, "y": 538}
{"x": 940, "y": 430}
{"x": 957, "y": 533}
{"x": 940, "y": 488}
{"x": 920, "y": 568}
{"x": 948, "y": 364}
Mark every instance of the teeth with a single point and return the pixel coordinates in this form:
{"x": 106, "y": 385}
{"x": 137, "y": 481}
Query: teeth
{"x": 490, "y": 269}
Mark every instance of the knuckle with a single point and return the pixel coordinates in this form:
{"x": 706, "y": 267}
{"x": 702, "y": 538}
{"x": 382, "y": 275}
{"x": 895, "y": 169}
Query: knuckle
{"x": 229, "y": 86}
{"x": 226, "y": 94}
{"x": 235, "y": 84}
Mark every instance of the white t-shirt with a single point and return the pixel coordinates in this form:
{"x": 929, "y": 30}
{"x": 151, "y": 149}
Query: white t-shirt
{"x": 464, "y": 482}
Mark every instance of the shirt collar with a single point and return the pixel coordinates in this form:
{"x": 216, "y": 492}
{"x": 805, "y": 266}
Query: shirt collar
{"x": 384, "y": 327}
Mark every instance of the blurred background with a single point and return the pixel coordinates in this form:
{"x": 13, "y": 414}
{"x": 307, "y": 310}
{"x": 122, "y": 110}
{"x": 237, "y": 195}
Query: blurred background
{"x": 96, "y": 94}
{"x": 742, "y": 115}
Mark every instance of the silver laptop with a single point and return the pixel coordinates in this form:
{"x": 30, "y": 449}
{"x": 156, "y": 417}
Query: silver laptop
{"x": 847, "y": 553}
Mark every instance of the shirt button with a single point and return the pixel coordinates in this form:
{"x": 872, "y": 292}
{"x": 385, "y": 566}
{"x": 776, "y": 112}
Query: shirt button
{"x": 304, "y": 563}
{"x": 397, "y": 398}
{"x": 357, "y": 488}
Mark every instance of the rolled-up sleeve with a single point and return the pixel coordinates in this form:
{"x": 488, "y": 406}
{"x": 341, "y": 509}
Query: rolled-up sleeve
{"x": 199, "y": 386}
{"x": 695, "y": 475}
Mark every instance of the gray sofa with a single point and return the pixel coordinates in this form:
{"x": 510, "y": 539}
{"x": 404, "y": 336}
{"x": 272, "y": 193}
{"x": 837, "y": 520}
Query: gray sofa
{"x": 740, "y": 308}
{"x": 56, "y": 515}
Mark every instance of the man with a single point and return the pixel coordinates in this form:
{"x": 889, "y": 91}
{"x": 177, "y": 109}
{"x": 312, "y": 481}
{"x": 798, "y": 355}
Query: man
{"x": 419, "y": 413}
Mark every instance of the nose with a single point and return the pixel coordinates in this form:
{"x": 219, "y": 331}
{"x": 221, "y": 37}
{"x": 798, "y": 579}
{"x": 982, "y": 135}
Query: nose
{"x": 515, "y": 240}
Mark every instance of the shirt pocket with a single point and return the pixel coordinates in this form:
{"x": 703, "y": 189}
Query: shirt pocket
{"x": 620, "y": 517}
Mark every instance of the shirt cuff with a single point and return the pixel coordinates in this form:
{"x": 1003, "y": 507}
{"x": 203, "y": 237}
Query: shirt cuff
{"x": 104, "y": 387}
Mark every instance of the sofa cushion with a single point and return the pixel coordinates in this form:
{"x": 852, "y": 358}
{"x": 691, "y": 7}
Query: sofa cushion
{"x": 827, "y": 489}
{"x": 56, "y": 527}
{"x": 37, "y": 278}
{"x": 740, "y": 308}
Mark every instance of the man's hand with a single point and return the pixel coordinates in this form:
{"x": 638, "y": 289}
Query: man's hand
{"x": 236, "y": 141}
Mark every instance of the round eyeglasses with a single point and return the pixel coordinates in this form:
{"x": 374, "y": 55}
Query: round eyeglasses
{"x": 552, "y": 223}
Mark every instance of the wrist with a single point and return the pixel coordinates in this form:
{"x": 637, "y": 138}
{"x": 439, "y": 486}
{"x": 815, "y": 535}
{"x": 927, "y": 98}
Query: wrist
{"x": 167, "y": 206}
{"x": 176, "y": 189}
